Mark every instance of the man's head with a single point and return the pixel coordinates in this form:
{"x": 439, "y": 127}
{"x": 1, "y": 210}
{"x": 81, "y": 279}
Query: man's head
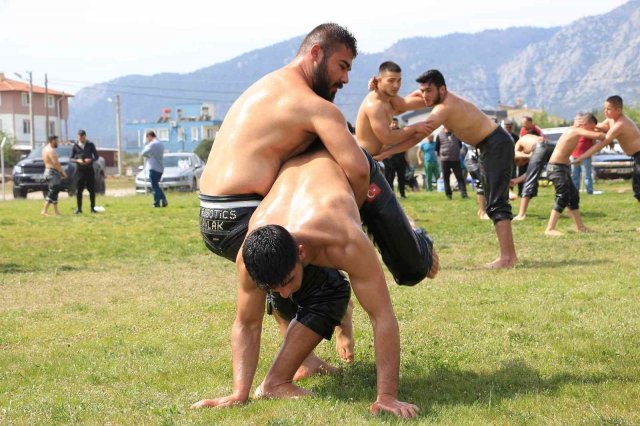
{"x": 274, "y": 259}
{"x": 389, "y": 78}
{"x": 394, "y": 124}
{"x": 527, "y": 122}
{"x": 82, "y": 136}
{"x": 53, "y": 141}
{"x": 332, "y": 49}
{"x": 613, "y": 107}
{"x": 508, "y": 125}
{"x": 150, "y": 135}
{"x": 433, "y": 87}
{"x": 589, "y": 121}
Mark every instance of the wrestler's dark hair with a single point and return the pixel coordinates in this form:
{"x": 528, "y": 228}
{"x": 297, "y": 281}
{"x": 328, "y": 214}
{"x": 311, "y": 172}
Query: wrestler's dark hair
{"x": 269, "y": 254}
{"x": 329, "y": 36}
{"x": 590, "y": 118}
{"x": 151, "y": 133}
{"x": 389, "y": 66}
{"x": 615, "y": 100}
{"x": 52, "y": 138}
{"x": 434, "y": 77}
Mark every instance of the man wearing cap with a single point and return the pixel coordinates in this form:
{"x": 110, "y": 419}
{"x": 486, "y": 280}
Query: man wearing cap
{"x": 84, "y": 153}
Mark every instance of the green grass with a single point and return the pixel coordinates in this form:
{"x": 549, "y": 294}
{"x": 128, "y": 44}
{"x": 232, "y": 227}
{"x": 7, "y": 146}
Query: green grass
{"x": 124, "y": 318}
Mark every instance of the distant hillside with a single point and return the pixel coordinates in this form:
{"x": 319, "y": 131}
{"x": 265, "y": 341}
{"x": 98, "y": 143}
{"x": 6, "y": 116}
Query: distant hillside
{"x": 562, "y": 69}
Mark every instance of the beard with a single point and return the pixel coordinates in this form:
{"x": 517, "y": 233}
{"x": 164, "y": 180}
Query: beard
{"x": 436, "y": 100}
{"x": 321, "y": 84}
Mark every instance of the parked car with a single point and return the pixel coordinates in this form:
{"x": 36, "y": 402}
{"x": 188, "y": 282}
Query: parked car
{"x": 609, "y": 163}
{"x": 182, "y": 171}
{"x": 28, "y": 174}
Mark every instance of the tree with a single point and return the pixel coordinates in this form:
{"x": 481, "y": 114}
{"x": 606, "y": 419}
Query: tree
{"x": 11, "y": 156}
{"x": 203, "y": 148}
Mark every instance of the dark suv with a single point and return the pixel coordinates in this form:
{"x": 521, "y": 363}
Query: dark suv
{"x": 28, "y": 174}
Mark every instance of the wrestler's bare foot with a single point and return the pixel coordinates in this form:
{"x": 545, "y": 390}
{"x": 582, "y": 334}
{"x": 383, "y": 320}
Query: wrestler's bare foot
{"x": 313, "y": 365}
{"x": 520, "y": 217}
{"x": 44, "y": 213}
{"x": 435, "y": 266}
{"x": 584, "y": 230}
{"x": 283, "y": 390}
{"x": 553, "y": 233}
{"x": 501, "y": 263}
{"x": 344, "y": 336}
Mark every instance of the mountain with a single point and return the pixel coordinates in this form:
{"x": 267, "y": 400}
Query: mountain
{"x": 562, "y": 69}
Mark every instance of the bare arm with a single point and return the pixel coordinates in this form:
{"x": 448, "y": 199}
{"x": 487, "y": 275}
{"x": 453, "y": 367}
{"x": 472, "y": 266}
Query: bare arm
{"x": 245, "y": 341}
{"x": 360, "y": 261}
{"x": 401, "y": 147}
{"x": 380, "y": 126}
{"x": 331, "y": 128}
{"x": 608, "y": 139}
{"x": 411, "y": 102}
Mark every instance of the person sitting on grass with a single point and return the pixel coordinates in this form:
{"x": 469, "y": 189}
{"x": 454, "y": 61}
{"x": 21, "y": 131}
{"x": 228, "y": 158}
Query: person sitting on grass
{"x": 559, "y": 173}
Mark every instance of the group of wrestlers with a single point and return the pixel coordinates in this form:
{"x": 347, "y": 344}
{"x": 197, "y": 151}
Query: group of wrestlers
{"x": 295, "y": 200}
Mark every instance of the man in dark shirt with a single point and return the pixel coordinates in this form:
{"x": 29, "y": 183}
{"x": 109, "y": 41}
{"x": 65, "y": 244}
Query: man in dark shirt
{"x": 448, "y": 149}
{"x": 84, "y": 153}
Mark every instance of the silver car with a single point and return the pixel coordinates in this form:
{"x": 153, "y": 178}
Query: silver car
{"x": 182, "y": 171}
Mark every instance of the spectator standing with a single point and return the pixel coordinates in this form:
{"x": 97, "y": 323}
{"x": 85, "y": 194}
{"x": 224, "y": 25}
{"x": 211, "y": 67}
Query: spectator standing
{"x": 53, "y": 173}
{"x": 428, "y": 159}
{"x": 84, "y": 153}
{"x": 584, "y": 168}
{"x": 448, "y": 149}
{"x": 529, "y": 128}
{"x": 154, "y": 152}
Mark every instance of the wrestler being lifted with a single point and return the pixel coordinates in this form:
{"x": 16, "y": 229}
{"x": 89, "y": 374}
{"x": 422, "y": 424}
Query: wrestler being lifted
{"x": 495, "y": 146}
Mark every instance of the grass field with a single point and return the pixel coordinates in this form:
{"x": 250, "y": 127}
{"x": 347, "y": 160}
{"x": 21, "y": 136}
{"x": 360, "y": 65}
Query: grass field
{"x": 124, "y": 318}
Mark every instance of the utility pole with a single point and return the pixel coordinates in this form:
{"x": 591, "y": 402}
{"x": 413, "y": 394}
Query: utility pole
{"x": 46, "y": 107}
{"x": 118, "y": 135}
{"x": 31, "y": 123}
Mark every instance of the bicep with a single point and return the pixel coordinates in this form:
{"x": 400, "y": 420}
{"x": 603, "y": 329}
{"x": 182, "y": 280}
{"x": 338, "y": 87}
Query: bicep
{"x": 250, "y": 300}
{"x": 331, "y": 128}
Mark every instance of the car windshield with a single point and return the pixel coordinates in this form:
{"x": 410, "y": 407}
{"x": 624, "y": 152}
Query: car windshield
{"x": 61, "y": 150}
{"x": 181, "y": 161}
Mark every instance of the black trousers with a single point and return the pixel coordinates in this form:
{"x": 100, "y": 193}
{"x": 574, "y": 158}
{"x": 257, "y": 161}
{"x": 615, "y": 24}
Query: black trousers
{"x": 86, "y": 179}
{"x": 447, "y": 168}
{"x": 396, "y": 165}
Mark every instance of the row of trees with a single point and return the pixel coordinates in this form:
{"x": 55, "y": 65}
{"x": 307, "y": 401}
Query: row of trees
{"x": 11, "y": 156}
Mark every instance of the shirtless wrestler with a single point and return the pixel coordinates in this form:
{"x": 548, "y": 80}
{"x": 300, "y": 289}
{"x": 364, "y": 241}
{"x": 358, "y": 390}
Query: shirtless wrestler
{"x": 619, "y": 126}
{"x": 495, "y": 146}
{"x": 559, "y": 172}
{"x": 318, "y": 225}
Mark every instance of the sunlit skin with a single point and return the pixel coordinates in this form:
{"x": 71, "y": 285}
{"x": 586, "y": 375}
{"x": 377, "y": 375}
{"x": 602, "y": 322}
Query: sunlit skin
{"x": 561, "y": 155}
{"x": 375, "y": 114}
{"x": 50, "y": 159}
{"x": 277, "y": 118}
{"x": 331, "y": 236}
{"x": 616, "y": 126}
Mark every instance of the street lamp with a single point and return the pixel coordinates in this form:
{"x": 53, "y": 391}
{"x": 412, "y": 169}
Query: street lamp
{"x": 31, "y": 123}
{"x": 118, "y": 135}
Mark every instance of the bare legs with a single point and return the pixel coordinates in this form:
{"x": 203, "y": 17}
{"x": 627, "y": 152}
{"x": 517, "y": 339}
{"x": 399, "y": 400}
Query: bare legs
{"x": 45, "y": 210}
{"x": 508, "y": 256}
{"x": 344, "y": 336}
{"x": 524, "y": 204}
{"x": 554, "y": 217}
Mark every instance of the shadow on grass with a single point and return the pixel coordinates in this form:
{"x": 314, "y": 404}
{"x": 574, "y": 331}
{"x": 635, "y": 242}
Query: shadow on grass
{"x": 559, "y": 263}
{"x": 16, "y": 268}
{"x": 443, "y": 386}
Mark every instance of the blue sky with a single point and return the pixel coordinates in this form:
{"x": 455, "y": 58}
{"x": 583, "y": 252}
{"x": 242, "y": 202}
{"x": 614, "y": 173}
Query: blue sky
{"x": 82, "y": 42}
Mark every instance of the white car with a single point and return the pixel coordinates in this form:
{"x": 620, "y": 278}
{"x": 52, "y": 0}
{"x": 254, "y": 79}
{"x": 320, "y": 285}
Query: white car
{"x": 182, "y": 171}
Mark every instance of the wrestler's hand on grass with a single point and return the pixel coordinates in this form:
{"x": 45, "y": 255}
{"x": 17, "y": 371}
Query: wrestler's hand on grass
{"x": 392, "y": 405}
{"x": 224, "y": 401}
{"x": 373, "y": 83}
